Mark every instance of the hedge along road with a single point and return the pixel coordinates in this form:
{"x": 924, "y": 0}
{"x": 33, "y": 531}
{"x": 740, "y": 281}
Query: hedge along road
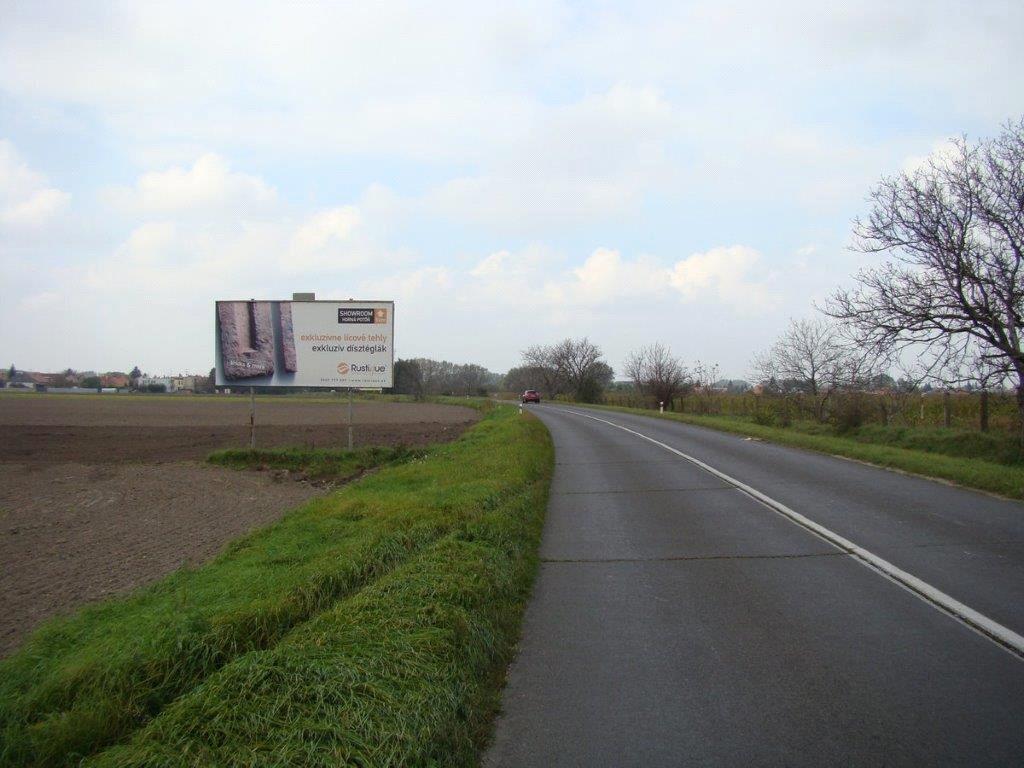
{"x": 677, "y": 619}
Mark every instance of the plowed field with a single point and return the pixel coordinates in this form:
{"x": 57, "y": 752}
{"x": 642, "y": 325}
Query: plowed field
{"x": 100, "y": 494}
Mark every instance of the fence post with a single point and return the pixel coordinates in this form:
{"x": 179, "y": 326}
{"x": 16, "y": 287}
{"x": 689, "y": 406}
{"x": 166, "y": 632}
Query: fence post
{"x": 252, "y": 419}
{"x": 350, "y": 418}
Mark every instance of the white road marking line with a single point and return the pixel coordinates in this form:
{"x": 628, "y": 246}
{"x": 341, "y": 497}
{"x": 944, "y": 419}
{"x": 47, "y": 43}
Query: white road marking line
{"x": 993, "y": 630}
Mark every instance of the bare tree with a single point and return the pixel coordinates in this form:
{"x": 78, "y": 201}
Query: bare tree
{"x": 657, "y": 373}
{"x": 542, "y": 359}
{"x": 471, "y": 379}
{"x": 597, "y": 380}
{"x": 408, "y": 379}
{"x": 955, "y": 230}
{"x": 522, "y": 378}
{"x": 423, "y": 376}
{"x": 895, "y": 394}
{"x": 576, "y": 359}
{"x": 809, "y": 356}
{"x": 436, "y": 376}
{"x": 705, "y": 376}
{"x": 571, "y": 365}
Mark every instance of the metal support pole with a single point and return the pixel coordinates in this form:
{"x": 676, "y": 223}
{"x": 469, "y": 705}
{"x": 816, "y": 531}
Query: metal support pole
{"x": 252, "y": 418}
{"x": 350, "y": 418}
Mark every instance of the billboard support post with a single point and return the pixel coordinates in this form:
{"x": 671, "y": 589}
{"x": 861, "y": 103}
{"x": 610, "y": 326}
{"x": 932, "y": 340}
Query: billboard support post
{"x": 350, "y": 418}
{"x": 252, "y": 418}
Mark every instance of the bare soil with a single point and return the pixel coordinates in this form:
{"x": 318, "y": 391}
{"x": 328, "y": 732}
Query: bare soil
{"x": 99, "y": 495}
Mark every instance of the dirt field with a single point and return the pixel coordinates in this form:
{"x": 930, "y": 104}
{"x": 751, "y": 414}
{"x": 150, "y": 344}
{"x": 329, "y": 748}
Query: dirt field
{"x": 101, "y": 494}
{"x": 115, "y": 428}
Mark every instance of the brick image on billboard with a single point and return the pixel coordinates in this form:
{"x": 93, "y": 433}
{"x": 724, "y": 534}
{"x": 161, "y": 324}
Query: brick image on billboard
{"x": 287, "y": 337}
{"x": 246, "y": 339}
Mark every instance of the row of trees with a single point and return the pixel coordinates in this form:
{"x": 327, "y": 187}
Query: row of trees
{"x": 575, "y": 368}
{"x": 571, "y": 367}
{"x": 423, "y": 376}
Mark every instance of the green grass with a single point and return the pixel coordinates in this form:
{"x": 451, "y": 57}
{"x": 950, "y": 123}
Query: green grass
{"x": 316, "y": 464}
{"x": 373, "y": 622}
{"x": 998, "y": 447}
{"x": 953, "y": 455}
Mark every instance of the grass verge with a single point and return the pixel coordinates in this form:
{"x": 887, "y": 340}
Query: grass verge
{"x": 468, "y": 513}
{"x": 1003, "y": 479}
{"x": 336, "y": 465}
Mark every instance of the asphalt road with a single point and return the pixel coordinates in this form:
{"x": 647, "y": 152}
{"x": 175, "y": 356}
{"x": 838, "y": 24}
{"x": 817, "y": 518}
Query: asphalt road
{"x": 678, "y": 621}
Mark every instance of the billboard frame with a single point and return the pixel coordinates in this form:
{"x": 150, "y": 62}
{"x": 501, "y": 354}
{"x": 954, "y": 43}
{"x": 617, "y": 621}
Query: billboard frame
{"x": 218, "y": 364}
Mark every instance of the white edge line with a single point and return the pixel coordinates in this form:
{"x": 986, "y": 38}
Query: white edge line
{"x": 994, "y": 630}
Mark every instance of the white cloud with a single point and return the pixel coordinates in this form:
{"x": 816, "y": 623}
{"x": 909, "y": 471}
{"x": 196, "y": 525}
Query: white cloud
{"x": 510, "y": 299}
{"x": 604, "y": 277}
{"x": 725, "y": 273}
{"x": 161, "y": 263}
{"x": 435, "y": 287}
{"x": 581, "y": 162}
{"x": 209, "y": 185}
{"x": 41, "y": 301}
{"x": 149, "y": 243}
{"x": 345, "y": 237}
{"x": 39, "y": 208}
{"x": 326, "y": 240}
{"x": 492, "y": 265}
{"x": 519, "y": 204}
{"x": 25, "y": 199}
{"x": 727, "y": 276}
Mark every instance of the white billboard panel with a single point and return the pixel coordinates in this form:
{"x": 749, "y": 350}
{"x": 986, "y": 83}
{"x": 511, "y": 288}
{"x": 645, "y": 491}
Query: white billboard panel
{"x": 332, "y": 344}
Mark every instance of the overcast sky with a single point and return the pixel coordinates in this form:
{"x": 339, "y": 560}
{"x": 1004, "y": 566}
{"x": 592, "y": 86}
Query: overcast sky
{"x": 509, "y": 174}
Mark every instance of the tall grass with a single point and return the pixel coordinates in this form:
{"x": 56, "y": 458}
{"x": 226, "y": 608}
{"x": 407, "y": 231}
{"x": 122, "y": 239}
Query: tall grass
{"x": 82, "y": 684}
{"x": 315, "y": 463}
{"x": 400, "y": 674}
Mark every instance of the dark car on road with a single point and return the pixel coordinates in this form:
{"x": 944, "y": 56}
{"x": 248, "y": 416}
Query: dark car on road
{"x": 531, "y": 396}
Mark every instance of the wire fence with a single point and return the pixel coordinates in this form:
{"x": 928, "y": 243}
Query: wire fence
{"x": 959, "y": 410}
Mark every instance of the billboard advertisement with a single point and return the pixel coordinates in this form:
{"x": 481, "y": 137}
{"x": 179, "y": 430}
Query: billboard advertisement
{"x": 334, "y": 344}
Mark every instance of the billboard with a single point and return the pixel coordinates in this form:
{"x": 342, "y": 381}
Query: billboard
{"x": 332, "y": 344}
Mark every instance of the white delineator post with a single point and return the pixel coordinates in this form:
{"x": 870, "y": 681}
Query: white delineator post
{"x": 661, "y": 406}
